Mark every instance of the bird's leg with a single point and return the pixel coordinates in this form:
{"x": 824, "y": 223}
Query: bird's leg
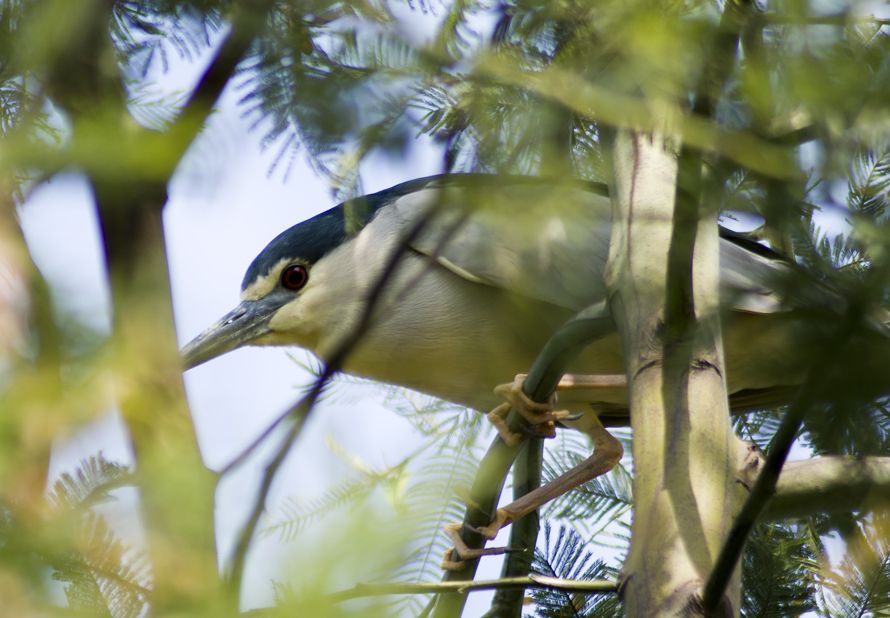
{"x": 607, "y": 451}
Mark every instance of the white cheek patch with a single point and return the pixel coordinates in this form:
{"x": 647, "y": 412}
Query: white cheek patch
{"x": 264, "y": 284}
{"x": 293, "y": 325}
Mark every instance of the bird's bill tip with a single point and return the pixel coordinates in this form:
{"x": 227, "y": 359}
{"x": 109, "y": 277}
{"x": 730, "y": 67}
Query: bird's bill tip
{"x": 239, "y": 327}
{"x": 201, "y": 349}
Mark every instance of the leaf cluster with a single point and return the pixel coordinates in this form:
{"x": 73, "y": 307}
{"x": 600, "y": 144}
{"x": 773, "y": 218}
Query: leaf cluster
{"x": 565, "y": 554}
{"x": 102, "y": 574}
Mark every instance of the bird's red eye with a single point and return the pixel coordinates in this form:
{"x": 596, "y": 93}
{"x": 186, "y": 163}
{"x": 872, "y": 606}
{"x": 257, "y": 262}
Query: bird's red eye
{"x": 294, "y": 277}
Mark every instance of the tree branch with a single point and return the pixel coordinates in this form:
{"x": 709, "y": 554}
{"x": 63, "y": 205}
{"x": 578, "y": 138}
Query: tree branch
{"x": 151, "y": 397}
{"x": 550, "y": 365}
{"x": 831, "y": 19}
{"x": 620, "y": 111}
{"x": 680, "y": 312}
{"x": 481, "y": 506}
{"x": 692, "y": 349}
{"x": 507, "y": 602}
{"x": 829, "y": 484}
{"x": 667, "y": 306}
{"x": 765, "y": 486}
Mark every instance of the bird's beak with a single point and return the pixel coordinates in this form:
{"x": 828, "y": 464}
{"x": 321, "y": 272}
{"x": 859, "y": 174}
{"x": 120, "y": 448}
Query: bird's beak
{"x": 244, "y": 324}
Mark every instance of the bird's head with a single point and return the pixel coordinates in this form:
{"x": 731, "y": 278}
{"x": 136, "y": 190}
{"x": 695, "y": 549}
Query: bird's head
{"x": 271, "y": 310}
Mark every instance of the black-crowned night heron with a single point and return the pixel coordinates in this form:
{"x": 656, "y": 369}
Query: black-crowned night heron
{"x": 499, "y": 265}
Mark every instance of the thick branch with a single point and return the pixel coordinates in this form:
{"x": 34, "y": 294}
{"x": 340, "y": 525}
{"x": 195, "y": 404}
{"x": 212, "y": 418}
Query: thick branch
{"x": 829, "y": 484}
{"x": 683, "y": 444}
{"x": 684, "y": 448}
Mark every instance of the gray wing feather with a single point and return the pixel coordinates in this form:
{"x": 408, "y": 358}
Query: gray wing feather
{"x": 548, "y": 243}
{"x": 551, "y": 243}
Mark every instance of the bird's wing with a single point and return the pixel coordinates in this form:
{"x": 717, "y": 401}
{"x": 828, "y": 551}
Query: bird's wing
{"x": 549, "y": 241}
{"x": 542, "y": 240}
{"x": 748, "y": 278}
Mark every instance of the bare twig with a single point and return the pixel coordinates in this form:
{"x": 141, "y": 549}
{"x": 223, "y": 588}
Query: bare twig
{"x": 461, "y": 587}
{"x": 248, "y": 450}
{"x": 762, "y": 491}
{"x": 298, "y": 414}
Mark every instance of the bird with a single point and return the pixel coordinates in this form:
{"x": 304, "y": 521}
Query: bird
{"x": 490, "y": 282}
{"x": 481, "y": 270}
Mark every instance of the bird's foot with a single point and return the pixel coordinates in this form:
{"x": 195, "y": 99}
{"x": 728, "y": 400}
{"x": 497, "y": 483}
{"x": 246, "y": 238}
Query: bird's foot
{"x": 541, "y": 416}
{"x": 502, "y": 519}
{"x": 456, "y": 558}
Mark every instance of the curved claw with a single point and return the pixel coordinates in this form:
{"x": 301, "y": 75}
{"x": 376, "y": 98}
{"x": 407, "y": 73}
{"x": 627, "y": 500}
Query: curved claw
{"x": 501, "y": 519}
{"x": 464, "y": 553}
{"x": 541, "y": 416}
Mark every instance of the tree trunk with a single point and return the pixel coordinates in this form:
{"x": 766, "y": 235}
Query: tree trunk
{"x": 685, "y": 452}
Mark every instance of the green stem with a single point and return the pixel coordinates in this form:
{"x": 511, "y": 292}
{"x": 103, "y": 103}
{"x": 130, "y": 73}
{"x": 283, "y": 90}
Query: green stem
{"x": 589, "y": 325}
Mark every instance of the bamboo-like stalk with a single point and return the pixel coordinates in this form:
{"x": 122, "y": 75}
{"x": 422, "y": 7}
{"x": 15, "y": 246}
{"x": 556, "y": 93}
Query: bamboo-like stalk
{"x": 685, "y": 452}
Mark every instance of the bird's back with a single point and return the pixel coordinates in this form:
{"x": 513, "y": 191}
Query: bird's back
{"x": 504, "y": 262}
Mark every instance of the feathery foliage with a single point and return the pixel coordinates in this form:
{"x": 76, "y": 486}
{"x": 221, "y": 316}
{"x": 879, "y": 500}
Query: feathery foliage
{"x": 105, "y": 576}
{"x": 564, "y": 555}
{"x": 779, "y": 572}
{"x": 89, "y": 485}
{"x": 102, "y": 574}
{"x": 860, "y": 584}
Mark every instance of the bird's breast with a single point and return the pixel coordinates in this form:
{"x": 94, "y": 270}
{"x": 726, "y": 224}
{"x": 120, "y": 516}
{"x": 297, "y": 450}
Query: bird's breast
{"x": 457, "y": 340}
